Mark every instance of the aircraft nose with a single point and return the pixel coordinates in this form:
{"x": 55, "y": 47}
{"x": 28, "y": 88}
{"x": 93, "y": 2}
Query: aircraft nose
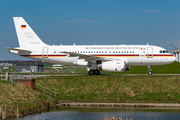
{"x": 173, "y": 58}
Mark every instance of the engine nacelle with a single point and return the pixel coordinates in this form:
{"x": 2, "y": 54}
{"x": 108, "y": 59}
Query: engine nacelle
{"x": 112, "y": 66}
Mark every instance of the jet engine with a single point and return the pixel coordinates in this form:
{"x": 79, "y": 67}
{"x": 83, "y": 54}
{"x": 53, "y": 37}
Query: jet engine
{"x": 112, "y": 66}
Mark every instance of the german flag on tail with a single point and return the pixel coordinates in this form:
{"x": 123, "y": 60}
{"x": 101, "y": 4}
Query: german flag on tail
{"x": 23, "y": 26}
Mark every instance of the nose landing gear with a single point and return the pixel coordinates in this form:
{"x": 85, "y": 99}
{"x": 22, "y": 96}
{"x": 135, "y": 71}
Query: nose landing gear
{"x": 149, "y": 70}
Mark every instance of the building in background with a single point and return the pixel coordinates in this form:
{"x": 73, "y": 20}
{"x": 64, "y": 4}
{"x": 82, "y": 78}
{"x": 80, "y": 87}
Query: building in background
{"x": 23, "y": 66}
{"x": 29, "y": 68}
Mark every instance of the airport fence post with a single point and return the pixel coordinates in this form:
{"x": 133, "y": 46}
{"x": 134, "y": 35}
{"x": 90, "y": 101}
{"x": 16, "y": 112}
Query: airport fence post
{"x": 1, "y": 70}
{"x": 30, "y": 75}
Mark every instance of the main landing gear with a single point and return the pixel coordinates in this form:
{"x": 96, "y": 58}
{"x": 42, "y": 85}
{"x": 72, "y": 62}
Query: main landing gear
{"x": 149, "y": 70}
{"x": 94, "y": 72}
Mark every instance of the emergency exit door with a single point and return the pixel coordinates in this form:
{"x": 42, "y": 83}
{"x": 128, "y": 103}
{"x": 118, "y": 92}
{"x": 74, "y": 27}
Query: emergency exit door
{"x": 45, "y": 52}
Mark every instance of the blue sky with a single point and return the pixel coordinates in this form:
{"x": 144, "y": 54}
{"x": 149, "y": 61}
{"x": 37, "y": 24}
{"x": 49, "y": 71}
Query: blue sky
{"x": 90, "y": 22}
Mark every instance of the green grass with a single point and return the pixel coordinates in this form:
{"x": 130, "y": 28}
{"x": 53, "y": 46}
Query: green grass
{"x": 13, "y": 95}
{"x": 116, "y": 88}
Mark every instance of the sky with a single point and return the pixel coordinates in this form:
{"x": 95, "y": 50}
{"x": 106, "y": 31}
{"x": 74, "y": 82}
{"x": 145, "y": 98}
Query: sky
{"x": 90, "y": 22}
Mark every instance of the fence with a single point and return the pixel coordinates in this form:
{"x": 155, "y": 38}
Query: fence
{"x": 45, "y": 90}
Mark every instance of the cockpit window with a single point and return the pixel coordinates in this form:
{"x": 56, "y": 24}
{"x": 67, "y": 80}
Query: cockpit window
{"x": 163, "y": 51}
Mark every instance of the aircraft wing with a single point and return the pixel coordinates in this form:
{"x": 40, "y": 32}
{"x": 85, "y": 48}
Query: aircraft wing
{"x": 90, "y": 58}
{"x": 19, "y": 49}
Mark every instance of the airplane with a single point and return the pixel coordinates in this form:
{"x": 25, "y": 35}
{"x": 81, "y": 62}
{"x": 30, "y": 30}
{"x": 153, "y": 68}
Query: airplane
{"x": 113, "y": 58}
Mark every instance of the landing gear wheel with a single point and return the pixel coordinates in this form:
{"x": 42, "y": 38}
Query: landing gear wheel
{"x": 96, "y": 72}
{"x": 149, "y": 73}
{"x": 91, "y": 72}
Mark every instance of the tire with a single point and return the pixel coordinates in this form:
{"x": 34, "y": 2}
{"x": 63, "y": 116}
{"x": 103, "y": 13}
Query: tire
{"x": 149, "y": 73}
{"x": 91, "y": 72}
{"x": 96, "y": 72}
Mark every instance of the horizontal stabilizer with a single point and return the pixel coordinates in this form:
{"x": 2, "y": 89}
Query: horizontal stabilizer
{"x": 19, "y": 49}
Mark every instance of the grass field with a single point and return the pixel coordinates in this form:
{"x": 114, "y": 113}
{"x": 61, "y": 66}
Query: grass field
{"x": 153, "y": 89}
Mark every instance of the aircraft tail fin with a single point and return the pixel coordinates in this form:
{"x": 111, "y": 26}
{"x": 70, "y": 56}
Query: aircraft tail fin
{"x": 26, "y": 36}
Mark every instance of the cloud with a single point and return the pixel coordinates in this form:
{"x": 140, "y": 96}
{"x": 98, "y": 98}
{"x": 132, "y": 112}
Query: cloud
{"x": 79, "y": 21}
{"x": 151, "y": 11}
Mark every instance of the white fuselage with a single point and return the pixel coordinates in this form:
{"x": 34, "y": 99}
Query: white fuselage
{"x": 133, "y": 55}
